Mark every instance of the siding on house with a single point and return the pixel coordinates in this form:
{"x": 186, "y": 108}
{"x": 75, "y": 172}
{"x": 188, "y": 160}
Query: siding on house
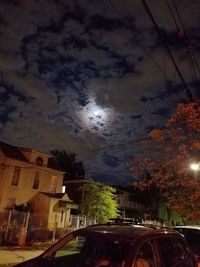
{"x": 26, "y": 160}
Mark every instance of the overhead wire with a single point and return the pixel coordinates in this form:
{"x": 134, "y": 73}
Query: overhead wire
{"x": 172, "y": 14}
{"x": 187, "y": 39}
{"x": 146, "y": 50}
{"x": 164, "y": 41}
{"x": 183, "y": 34}
{"x": 188, "y": 92}
{"x": 115, "y": 146}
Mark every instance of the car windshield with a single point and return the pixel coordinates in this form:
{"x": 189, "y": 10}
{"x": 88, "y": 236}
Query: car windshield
{"x": 90, "y": 250}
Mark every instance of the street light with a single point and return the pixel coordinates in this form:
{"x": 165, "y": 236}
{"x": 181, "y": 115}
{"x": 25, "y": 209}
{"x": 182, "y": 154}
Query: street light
{"x": 195, "y": 166}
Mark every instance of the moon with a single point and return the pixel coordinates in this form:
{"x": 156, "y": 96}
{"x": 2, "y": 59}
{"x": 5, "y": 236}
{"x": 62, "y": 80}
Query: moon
{"x": 95, "y": 117}
{"x": 96, "y": 113}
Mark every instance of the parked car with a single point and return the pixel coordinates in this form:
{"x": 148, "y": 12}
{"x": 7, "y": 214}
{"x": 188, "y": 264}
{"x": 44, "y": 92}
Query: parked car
{"x": 117, "y": 245}
{"x": 192, "y": 235}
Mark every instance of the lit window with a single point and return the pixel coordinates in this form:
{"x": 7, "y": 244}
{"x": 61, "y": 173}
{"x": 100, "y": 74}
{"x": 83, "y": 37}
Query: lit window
{"x": 63, "y": 189}
{"x": 16, "y": 175}
{"x": 36, "y": 181}
{"x": 54, "y": 180}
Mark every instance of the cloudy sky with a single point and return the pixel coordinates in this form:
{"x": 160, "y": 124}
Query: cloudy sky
{"x": 93, "y": 77}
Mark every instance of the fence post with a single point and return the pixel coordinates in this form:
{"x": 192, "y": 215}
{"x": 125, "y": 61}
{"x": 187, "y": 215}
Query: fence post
{"x": 27, "y": 220}
{"x": 54, "y": 228}
{"x": 23, "y": 230}
{"x": 85, "y": 221}
{"x": 8, "y": 224}
{"x": 77, "y": 222}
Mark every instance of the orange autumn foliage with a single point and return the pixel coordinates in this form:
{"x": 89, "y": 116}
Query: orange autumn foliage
{"x": 156, "y": 134}
{"x": 168, "y": 156}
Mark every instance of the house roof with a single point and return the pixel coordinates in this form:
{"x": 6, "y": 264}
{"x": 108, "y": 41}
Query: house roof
{"x": 34, "y": 150}
{"x": 12, "y": 152}
{"x": 54, "y": 195}
{"x": 62, "y": 198}
{"x": 78, "y": 181}
{"x": 15, "y": 152}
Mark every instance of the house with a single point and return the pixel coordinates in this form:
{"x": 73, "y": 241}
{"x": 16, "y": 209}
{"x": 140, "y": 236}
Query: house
{"x": 52, "y": 210}
{"x": 29, "y": 176}
{"x": 128, "y": 203}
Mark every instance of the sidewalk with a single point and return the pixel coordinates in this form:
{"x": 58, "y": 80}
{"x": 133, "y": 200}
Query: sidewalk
{"x": 12, "y": 256}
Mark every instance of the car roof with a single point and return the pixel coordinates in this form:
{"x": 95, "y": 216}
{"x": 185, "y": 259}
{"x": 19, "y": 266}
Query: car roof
{"x": 128, "y": 232}
{"x": 197, "y": 227}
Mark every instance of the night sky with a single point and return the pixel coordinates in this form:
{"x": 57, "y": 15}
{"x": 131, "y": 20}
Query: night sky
{"x": 92, "y": 77}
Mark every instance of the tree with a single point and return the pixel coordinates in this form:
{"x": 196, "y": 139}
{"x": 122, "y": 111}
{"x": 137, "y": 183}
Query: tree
{"x": 99, "y": 202}
{"x": 67, "y": 161}
{"x": 170, "y": 152}
{"x": 165, "y": 214}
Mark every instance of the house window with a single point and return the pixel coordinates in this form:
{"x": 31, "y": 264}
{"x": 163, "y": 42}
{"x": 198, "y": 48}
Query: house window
{"x": 54, "y": 180}
{"x": 16, "y": 175}
{"x": 39, "y": 161}
{"x": 11, "y": 203}
{"x": 36, "y": 181}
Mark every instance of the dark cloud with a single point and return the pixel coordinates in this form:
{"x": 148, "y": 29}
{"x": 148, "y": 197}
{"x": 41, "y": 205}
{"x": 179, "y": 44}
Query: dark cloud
{"x": 91, "y": 77}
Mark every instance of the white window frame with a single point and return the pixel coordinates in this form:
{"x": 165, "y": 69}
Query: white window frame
{"x": 54, "y": 183}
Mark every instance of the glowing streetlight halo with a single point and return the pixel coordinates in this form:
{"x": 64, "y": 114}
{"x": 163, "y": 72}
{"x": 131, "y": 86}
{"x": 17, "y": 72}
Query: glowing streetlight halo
{"x": 195, "y": 166}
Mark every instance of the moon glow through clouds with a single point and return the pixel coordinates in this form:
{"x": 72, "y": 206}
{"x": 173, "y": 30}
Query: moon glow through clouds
{"x": 92, "y": 77}
{"x": 95, "y": 118}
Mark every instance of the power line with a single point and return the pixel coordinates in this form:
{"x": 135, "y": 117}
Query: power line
{"x": 138, "y": 140}
{"x": 181, "y": 31}
{"x": 172, "y": 14}
{"x": 188, "y": 92}
{"x": 147, "y": 51}
{"x": 185, "y": 36}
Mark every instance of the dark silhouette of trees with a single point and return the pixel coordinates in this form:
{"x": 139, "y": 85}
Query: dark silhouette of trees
{"x": 67, "y": 161}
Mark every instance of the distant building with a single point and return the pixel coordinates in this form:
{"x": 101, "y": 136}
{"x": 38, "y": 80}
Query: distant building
{"x": 127, "y": 202}
{"x": 29, "y": 176}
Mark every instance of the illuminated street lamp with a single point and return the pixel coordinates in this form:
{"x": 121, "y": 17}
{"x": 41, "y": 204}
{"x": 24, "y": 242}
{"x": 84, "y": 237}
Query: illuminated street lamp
{"x": 195, "y": 166}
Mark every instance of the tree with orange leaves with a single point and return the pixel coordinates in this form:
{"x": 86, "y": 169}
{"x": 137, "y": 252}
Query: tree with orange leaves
{"x": 170, "y": 152}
